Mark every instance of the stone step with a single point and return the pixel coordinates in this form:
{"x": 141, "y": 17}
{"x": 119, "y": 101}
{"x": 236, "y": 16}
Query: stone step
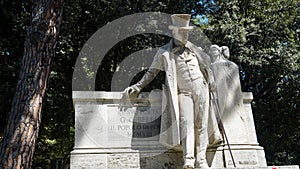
{"x": 269, "y": 167}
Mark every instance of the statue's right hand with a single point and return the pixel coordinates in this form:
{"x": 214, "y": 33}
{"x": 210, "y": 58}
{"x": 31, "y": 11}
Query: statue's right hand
{"x": 128, "y": 94}
{"x": 131, "y": 92}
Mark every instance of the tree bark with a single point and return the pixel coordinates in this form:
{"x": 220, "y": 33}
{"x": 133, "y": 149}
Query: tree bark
{"x": 22, "y": 128}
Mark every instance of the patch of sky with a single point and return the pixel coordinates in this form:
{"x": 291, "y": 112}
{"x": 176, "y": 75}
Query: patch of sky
{"x": 202, "y": 18}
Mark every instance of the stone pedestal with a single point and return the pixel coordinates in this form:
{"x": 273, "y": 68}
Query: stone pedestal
{"x": 108, "y": 136}
{"x": 240, "y": 130}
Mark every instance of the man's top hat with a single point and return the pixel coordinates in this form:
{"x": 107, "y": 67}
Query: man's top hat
{"x": 180, "y": 21}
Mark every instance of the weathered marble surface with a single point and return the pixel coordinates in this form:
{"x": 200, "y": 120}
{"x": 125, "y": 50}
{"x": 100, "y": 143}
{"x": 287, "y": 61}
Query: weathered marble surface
{"x": 133, "y": 160}
{"x": 107, "y": 136}
{"x": 245, "y": 148}
{"x": 101, "y": 123}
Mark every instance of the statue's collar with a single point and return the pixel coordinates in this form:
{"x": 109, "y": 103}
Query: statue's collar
{"x": 187, "y": 45}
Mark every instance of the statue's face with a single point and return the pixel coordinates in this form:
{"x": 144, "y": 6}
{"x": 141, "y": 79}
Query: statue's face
{"x": 180, "y": 35}
{"x": 214, "y": 51}
{"x": 226, "y": 53}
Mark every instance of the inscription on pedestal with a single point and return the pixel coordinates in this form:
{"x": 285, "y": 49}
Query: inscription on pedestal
{"x": 109, "y": 125}
{"x": 134, "y": 123}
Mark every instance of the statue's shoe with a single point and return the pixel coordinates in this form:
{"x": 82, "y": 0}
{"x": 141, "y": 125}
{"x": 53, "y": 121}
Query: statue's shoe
{"x": 216, "y": 143}
{"x": 202, "y": 165}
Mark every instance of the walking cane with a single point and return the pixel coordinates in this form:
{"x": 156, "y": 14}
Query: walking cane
{"x": 221, "y": 125}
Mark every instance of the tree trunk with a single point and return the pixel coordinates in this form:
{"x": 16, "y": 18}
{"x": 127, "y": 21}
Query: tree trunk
{"x": 22, "y": 128}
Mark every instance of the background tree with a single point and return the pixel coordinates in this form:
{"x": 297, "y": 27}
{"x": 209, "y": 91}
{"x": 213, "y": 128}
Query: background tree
{"x": 23, "y": 124}
{"x": 12, "y": 24}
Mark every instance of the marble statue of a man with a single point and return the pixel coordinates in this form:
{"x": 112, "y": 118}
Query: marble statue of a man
{"x": 189, "y": 79}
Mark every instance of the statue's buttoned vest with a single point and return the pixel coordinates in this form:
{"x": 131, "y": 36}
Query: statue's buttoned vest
{"x": 187, "y": 68}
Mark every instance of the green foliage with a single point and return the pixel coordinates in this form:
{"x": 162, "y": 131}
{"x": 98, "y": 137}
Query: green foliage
{"x": 13, "y": 18}
{"x": 263, "y": 37}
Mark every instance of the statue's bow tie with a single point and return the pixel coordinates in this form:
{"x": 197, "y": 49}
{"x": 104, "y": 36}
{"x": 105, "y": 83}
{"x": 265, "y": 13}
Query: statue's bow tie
{"x": 178, "y": 49}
